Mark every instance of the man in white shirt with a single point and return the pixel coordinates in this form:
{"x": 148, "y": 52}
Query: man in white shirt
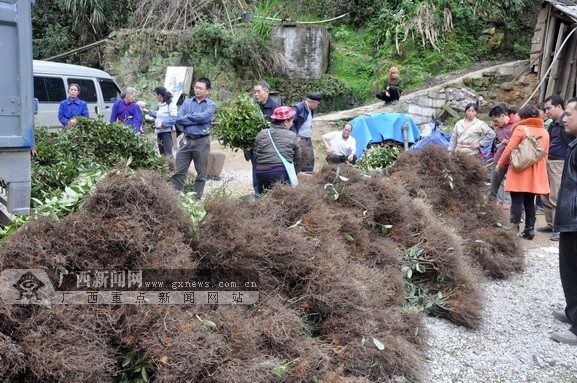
{"x": 341, "y": 147}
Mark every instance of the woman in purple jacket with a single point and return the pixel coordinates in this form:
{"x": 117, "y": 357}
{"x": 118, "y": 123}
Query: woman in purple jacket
{"x": 127, "y": 111}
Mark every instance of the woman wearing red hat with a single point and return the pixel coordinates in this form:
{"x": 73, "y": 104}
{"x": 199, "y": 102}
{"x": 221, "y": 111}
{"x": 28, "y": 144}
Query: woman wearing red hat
{"x": 271, "y": 144}
{"x": 393, "y": 87}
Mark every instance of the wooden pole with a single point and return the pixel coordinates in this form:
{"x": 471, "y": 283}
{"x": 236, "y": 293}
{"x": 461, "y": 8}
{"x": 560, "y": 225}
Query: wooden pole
{"x": 406, "y": 135}
{"x": 76, "y": 50}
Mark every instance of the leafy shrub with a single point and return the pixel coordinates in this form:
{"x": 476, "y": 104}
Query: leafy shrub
{"x": 59, "y": 204}
{"x": 91, "y": 145}
{"x": 209, "y": 38}
{"x": 239, "y": 123}
{"x": 246, "y": 48}
{"x": 377, "y": 158}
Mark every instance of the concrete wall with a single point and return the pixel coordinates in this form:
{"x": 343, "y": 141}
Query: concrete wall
{"x": 306, "y": 50}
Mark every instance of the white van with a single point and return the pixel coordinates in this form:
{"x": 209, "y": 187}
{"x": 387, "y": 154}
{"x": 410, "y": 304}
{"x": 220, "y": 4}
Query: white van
{"x": 51, "y": 80}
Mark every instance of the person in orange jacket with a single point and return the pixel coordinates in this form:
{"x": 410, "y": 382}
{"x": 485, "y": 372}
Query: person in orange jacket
{"x": 525, "y": 184}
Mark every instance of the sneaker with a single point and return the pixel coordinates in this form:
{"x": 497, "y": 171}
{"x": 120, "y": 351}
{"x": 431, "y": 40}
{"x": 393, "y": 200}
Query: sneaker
{"x": 565, "y": 336}
{"x": 560, "y": 316}
{"x": 545, "y": 229}
{"x": 554, "y": 236}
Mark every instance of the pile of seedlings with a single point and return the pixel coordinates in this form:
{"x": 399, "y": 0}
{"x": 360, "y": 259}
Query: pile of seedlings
{"x": 347, "y": 264}
{"x": 453, "y": 185}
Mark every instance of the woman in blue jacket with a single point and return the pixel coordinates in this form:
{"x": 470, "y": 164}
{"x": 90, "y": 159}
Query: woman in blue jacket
{"x": 72, "y": 107}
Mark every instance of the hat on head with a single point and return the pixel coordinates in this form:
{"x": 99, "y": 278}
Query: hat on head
{"x": 314, "y": 96}
{"x": 283, "y": 113}
{"x": 393, "y": 69}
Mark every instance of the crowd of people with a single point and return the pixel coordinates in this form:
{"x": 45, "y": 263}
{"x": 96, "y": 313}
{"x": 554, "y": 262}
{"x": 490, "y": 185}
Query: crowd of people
{"x": 552, "y": 178}
{"x": 275, "y": 151}
{"x": 537, "y": 182}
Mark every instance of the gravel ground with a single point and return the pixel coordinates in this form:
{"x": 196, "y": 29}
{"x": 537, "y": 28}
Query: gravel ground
{"x": 513, "y": 344}
{"x": 236, "y": 182}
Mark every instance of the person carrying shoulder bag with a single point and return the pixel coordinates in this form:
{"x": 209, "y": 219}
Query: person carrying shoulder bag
{"x": 271, "y": 144}
{"x": 530, "y": 181}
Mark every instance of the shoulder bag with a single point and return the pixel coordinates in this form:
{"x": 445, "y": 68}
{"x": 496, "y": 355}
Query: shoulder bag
{"x": 528, "y": 152}
{"x": 289, "y": 166}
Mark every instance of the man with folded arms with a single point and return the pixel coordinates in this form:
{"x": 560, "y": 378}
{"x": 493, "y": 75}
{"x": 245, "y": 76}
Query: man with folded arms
{"x": 195, "y": 115}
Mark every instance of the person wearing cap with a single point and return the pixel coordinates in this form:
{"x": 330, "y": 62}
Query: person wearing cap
{"x": 267, "y": 105}
{"x": 392, "y": 88}
{"x": 303, "y": 122}
{"x": 162, "y": 116}
{"x": 270, "y": 168}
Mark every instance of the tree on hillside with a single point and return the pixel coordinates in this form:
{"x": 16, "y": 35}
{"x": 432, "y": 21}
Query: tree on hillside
{"x": 62, "y": 25}
{"x": 179, "y": 14}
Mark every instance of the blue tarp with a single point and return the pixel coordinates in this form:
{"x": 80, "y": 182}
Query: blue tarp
{"x": 378, "y": 127}
{"x": 440, "y": 138}
{"x": 436, "y": 137}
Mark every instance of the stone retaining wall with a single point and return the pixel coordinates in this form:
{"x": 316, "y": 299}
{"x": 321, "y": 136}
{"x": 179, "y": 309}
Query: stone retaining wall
{"x": 488, "y": 87}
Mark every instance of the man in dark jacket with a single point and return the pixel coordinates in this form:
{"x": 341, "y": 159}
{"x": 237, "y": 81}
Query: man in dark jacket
{"x": 566, "y": 225}
{"x": 268, "y": 104}
{"x": 558, "y": 144}
{"x": 303, "y": 123}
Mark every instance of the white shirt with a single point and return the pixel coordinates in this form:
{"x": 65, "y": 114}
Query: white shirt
{"x": 164, "y": 112}
{"x": 339, "y": 145}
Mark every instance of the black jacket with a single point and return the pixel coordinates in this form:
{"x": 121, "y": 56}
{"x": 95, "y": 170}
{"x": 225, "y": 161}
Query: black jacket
{"x": 268, "y": 108}
{"x": 566, "y": 210}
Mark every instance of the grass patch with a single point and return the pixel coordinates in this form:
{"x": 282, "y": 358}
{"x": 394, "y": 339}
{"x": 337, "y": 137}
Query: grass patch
{"x": 352, "y": 61}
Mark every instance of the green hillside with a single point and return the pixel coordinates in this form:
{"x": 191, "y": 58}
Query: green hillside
{"x": 422, "y": 38}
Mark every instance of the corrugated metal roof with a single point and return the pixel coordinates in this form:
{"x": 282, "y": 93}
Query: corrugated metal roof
{"x": 568, "y": 7}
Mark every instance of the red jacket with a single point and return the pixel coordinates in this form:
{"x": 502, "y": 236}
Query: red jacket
{"x": 503, "y": 136}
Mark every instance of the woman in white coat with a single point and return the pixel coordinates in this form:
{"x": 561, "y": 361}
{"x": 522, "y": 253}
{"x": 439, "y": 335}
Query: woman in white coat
{"x": 166, "y": 110}
{"x": 470, "y": 133}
